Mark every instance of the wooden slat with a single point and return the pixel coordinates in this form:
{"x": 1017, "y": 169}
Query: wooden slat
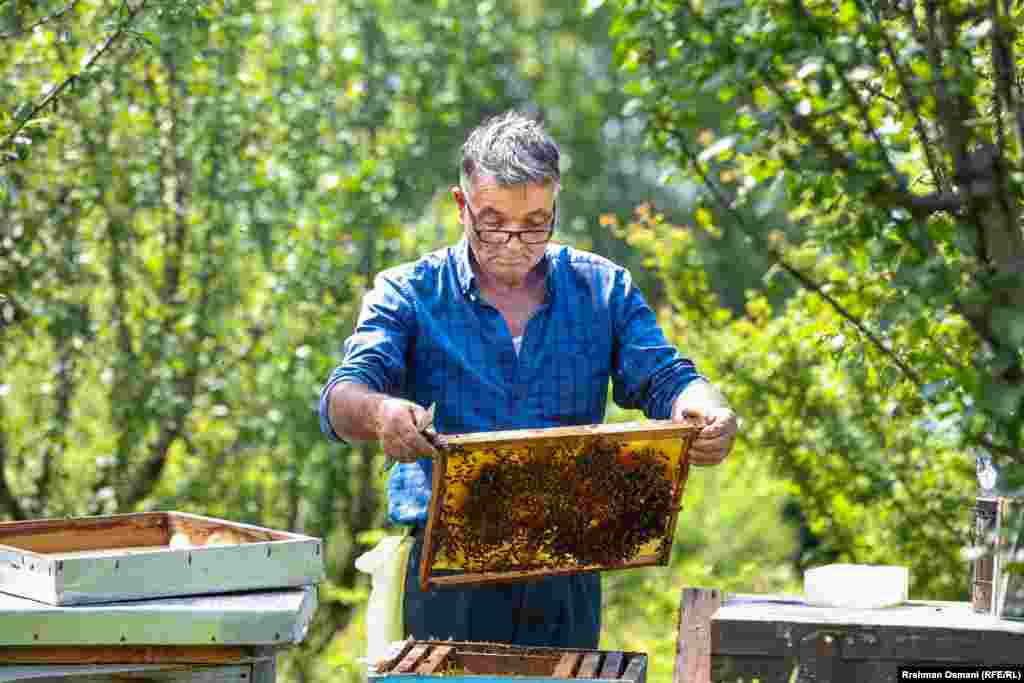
{"x": 987, "y": 521}
{"x": 612, "y": 667}
{"x": 499, "y": 648}
{"x": 265, "y": 671}
{"x": 393, "y": 655}
{"x": 86, "y": 533}
{"x": 472, "y": 578}
{"x": 646, "y": 429}
{"x": 412, "y": 659}
{"x": 487, "y": 664}
{"x": 199, "y": 530}
{"x": 135, "y": 654}
{"x": 186, "y": 674}
{"x": 590, "y": 665}
{"x": 567, "y": 664}
{"x": 678, "y": 486}
{"x": 636, "y": 669}
{"x": 693, "y": 645}
{"x": 435, "y": 660}
{"x": 437, "y": 487}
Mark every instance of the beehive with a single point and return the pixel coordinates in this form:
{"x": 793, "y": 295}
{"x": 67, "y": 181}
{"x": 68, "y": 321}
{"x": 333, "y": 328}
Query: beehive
{"x": 516, "y": 504}
{"x": 455, "y": 661}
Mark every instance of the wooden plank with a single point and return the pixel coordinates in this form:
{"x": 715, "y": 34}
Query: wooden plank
{"x": 498, "y": 648}
{"x": 121, "y": 673}
{"x": 473, "y": 578}
{"x": 612, "y": 667}
{"x": 393, "y": 655}
{"x": 693, "y": 645}
{"x": 433, "y": 514}
{"x": 590, "y": 665}
{"x": 131, "y": 654}
{"x": 629, "y": 431}
{"x": 682, "y": 476}
{"x": 766, "y": 669}
{"x": 200, "y": 530}
{"x": 488, "y": 664}
{"x": 987, "y": 521}
{"x": 220, "y": 674}
{"x": 567, "y": 665}
{"x": 265, "y": 671}
{"x": 435, "y": 660}
{"x": 412, "y": 659}
{"x": 911, "y": 642}
{"x": 636, "y": 669}
{"x": 86, "y": 533}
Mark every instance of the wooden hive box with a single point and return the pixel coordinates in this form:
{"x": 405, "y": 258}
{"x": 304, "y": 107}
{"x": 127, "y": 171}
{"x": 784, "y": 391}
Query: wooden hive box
{"x": 526, "y": 503}
{"x": 454, "y": 661}
{"x": 781, "y": 639}
{"x": 136, "y": 556}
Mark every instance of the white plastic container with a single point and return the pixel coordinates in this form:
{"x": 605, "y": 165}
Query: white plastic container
{"x": 386, "y": 564}
{"x": 862, "y": 586}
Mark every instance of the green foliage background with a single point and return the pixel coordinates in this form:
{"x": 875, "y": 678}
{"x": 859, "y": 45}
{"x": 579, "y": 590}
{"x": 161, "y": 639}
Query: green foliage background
{"x": 821, "y": 201}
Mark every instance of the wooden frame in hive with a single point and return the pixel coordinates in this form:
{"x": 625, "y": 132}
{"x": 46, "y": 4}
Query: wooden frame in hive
{"x": 587, "y": 498}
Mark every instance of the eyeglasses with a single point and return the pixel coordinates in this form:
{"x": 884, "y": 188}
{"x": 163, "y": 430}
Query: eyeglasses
{"x": 494, "y": 233}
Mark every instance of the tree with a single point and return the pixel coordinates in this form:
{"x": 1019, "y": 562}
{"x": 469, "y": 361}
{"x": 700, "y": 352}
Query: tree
{"x": 190, "y": 222}
{"x": 873, "y": 150}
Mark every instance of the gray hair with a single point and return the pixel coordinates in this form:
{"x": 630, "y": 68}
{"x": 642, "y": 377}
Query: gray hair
{"x": 511, "y": 148}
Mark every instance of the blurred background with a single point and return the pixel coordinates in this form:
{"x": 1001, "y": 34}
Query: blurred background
{"x": 195, "y": 195}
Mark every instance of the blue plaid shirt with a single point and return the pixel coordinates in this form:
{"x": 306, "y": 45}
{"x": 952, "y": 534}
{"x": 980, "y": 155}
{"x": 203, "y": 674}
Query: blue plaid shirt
{"x": 427, "y": 335}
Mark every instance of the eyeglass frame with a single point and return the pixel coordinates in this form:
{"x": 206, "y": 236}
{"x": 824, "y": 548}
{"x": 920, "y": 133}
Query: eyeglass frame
{"x": 550, "y": 230}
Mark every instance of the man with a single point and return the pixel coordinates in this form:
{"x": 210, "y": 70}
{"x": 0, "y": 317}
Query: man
{"x": 506, "y": 331}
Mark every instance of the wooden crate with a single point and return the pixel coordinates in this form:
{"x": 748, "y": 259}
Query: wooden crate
{"x": 466, "y": 661}
{"x": 137, "y": 556}
{"x": 252, "y": 670}
{"x": 780, "y": 639}
{"x": 527, "y": 503}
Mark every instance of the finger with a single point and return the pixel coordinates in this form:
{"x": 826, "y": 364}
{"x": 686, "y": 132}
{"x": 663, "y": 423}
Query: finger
{"x": 721, "y": 423}
{"x": 711, "y": 431}
{"x": 711, "y": 453}
{"x": 710, "y": 449}
{"x": 435, "y": 439}
{"x": 692, "y": 413}
{"x": 415, "y": 442}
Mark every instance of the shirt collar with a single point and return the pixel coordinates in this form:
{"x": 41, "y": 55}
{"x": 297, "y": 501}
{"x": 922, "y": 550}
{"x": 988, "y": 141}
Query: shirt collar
{"x": 467, "y": 278}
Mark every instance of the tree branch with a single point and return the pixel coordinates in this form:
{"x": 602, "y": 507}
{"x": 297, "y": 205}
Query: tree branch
{"x": 885, "y": 194}
{"x": 804, "y": 280}
{"x": 41, "y": 22}
{"x": 105, "y": 47}
{"x": 913, "y": 103}
{"x": 948, "y": 109}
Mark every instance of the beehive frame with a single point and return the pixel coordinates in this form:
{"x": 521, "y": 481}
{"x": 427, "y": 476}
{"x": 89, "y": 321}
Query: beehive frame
{"x": 668, "y": 440}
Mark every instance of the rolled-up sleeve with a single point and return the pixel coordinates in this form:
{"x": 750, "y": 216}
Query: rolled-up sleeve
{"x": 647, "y": 372}
{"x": 374, "y": 355}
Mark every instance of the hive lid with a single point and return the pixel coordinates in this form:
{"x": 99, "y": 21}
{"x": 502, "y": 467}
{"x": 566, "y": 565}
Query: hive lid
{"x": 137, "y": 556}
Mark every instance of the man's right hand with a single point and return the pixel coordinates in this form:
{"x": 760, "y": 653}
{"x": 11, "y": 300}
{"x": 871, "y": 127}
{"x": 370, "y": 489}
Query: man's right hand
{"x": 397, "y": 431}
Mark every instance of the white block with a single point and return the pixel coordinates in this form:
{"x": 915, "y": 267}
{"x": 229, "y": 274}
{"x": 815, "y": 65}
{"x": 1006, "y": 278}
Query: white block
{"x": 864, "y": 586}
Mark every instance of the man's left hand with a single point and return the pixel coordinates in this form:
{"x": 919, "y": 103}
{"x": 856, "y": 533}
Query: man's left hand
{"x": 702, "y": 401}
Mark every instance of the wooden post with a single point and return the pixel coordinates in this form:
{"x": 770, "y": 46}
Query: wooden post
{"x": 693, "y": 645}
{"x": 986, "y": 523}
{"x": 265, "y": 671}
